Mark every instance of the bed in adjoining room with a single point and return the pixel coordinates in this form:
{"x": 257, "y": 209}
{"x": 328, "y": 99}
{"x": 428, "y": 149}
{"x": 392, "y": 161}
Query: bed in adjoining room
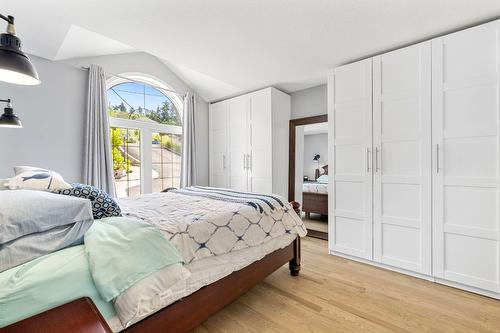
{"x": 315, "y": 195}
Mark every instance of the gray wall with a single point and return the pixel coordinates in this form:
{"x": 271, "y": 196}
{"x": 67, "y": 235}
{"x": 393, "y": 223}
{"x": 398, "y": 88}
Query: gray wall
{"x": 53, "y": 114}
{"x": 315, "y": 144}
{"x": 309, "y": 102}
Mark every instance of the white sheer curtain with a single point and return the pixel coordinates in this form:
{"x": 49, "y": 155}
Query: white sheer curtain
{"x": 98, "y": 161}
{"x": 188, "y": 162}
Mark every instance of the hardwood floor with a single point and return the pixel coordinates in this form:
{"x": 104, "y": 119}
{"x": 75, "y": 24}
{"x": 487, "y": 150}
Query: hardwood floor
{"x": 316, "y": 222}
{"x": 338, "y": 295}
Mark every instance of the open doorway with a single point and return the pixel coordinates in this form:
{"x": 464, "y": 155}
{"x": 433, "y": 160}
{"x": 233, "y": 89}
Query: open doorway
{"x": 308, "y": 174}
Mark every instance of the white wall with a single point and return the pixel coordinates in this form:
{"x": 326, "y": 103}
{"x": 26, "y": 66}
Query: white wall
{"x": 309, "y": 102}
{"x": 315, "y": 144}
{"x": 53, "y": 114}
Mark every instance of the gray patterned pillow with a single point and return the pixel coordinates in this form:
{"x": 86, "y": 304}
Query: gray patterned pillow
{"x": 102, "y": 204}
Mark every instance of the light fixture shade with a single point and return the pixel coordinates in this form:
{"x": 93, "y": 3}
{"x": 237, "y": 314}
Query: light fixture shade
{"x": 15, "y": 65}
{"x": 9, "y": 119}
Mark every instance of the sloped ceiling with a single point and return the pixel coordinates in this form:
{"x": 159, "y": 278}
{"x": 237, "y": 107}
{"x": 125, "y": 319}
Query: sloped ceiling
{"x": 224, "y": 47}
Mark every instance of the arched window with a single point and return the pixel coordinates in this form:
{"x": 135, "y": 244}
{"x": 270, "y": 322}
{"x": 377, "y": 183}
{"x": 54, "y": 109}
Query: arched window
{"x": 146, "y": 134}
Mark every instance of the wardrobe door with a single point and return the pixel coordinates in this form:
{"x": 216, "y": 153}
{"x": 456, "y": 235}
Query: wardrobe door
{"x": 402, "y": 158}
{"x": 466, "y": 149}
{"x": 350, "y": 199}
{"x": 238, "y": 142}
{"x": 260, "y": 162}
{"x": 218, "y": 144}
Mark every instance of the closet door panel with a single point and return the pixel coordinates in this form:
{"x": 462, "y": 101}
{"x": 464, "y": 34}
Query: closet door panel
{"x": 466, "y": 148}
{"x": 218, "y": 145}
{"x": 351, "y": 187}
{"x": 238, "y": 142}
{"x": 260, "y": 159}
{"x": 402, "y": 145}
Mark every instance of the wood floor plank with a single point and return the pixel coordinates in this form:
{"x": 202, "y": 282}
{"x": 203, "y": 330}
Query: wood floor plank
{"x": 333, "y": 294}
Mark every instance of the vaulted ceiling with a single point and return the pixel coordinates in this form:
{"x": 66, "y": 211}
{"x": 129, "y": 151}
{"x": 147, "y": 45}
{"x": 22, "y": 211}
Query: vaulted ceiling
{"x": 225, "y": 47}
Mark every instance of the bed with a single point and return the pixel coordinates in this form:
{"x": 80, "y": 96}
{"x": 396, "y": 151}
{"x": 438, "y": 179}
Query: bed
{"x": 228, "y": 245}
{"x": 315, "y": 195}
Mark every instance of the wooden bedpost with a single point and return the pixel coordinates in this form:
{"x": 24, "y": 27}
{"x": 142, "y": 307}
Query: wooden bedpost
{"x": 294, "y": 264}
{"x": 296, "y": 207}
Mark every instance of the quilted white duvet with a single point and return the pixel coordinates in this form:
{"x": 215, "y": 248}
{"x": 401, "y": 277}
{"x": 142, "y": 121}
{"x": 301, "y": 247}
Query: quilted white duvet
{"x": 201, "y": 227}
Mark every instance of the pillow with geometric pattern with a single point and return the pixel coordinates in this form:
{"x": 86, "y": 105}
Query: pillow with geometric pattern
{"x": 102, "y": 204}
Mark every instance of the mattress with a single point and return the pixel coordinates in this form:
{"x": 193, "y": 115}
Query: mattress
{"x": 207, "y": 271}
{"x": 315, "y": 187}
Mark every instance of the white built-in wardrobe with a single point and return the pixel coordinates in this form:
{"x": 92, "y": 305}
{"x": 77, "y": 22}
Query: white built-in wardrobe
{"x": 414, "y": 141}
{"x": 248, "y": 142}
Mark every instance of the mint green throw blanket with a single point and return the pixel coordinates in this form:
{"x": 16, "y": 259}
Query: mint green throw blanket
{"x": 47, "y": 282}
{"x": 122, "y": 251}
{"x": 118, "y": 252}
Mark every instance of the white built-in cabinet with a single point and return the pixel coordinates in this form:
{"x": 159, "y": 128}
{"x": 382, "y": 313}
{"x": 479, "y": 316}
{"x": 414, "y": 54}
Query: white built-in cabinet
{"x": 402, "y": 158}
{"x": 415, "y": 151}
{"x": 465, "y": 125}
{"x": 249, "y": 142}
{"x": 351, "y": 182}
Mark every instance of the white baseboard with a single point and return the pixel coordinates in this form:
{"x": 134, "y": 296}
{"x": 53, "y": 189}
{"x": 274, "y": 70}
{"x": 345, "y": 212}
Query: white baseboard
{"x": 420, "y": 276}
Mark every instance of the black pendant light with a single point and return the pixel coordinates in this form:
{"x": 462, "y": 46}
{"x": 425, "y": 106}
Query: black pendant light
{"x": 8, "y": 118}
{"x": 15, "y": 65}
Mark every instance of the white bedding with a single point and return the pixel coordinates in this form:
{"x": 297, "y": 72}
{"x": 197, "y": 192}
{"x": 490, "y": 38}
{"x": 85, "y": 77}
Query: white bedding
{"x": 315, "y": 187}
{"x": 200, "y": 227}
{"x": 204, "y": 272}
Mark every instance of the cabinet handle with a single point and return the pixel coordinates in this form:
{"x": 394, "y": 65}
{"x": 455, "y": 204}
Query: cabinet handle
{"x": 250, "y": 161}
{"x": 437, "y": 158}
{"x": 368, "y": 160}
{"x": 376, "y": 160}
{"x": 244, "y": 161}
{"x": 223, "y": 161}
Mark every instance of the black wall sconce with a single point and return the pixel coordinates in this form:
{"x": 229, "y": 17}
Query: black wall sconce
{"x": 8, "y": 118}
{"x": 15, "y": 65}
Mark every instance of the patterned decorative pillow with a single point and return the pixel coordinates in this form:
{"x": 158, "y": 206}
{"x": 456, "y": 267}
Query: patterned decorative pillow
{"x": 32, "y": 178}
{"x": 102, "y": 204}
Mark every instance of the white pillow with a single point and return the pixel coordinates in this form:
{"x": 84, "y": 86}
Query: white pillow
{"x": 3, "y": 184}
{"x": 322, "y": 179}
{"x": 32, "y": 178}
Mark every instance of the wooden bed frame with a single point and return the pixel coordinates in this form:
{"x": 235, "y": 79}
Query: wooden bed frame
{"x": 189, "y": 312}
{"x": 315, "y": 203}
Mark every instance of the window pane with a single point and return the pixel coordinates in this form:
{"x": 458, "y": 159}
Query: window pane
{"x": 138, "y": 101}
{"x": 166, "y": 160}
{"x": 126, "y": 148}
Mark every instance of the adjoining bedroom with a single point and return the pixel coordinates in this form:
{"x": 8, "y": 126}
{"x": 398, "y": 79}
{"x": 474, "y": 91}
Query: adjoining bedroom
{"x": 249, "y": 166}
